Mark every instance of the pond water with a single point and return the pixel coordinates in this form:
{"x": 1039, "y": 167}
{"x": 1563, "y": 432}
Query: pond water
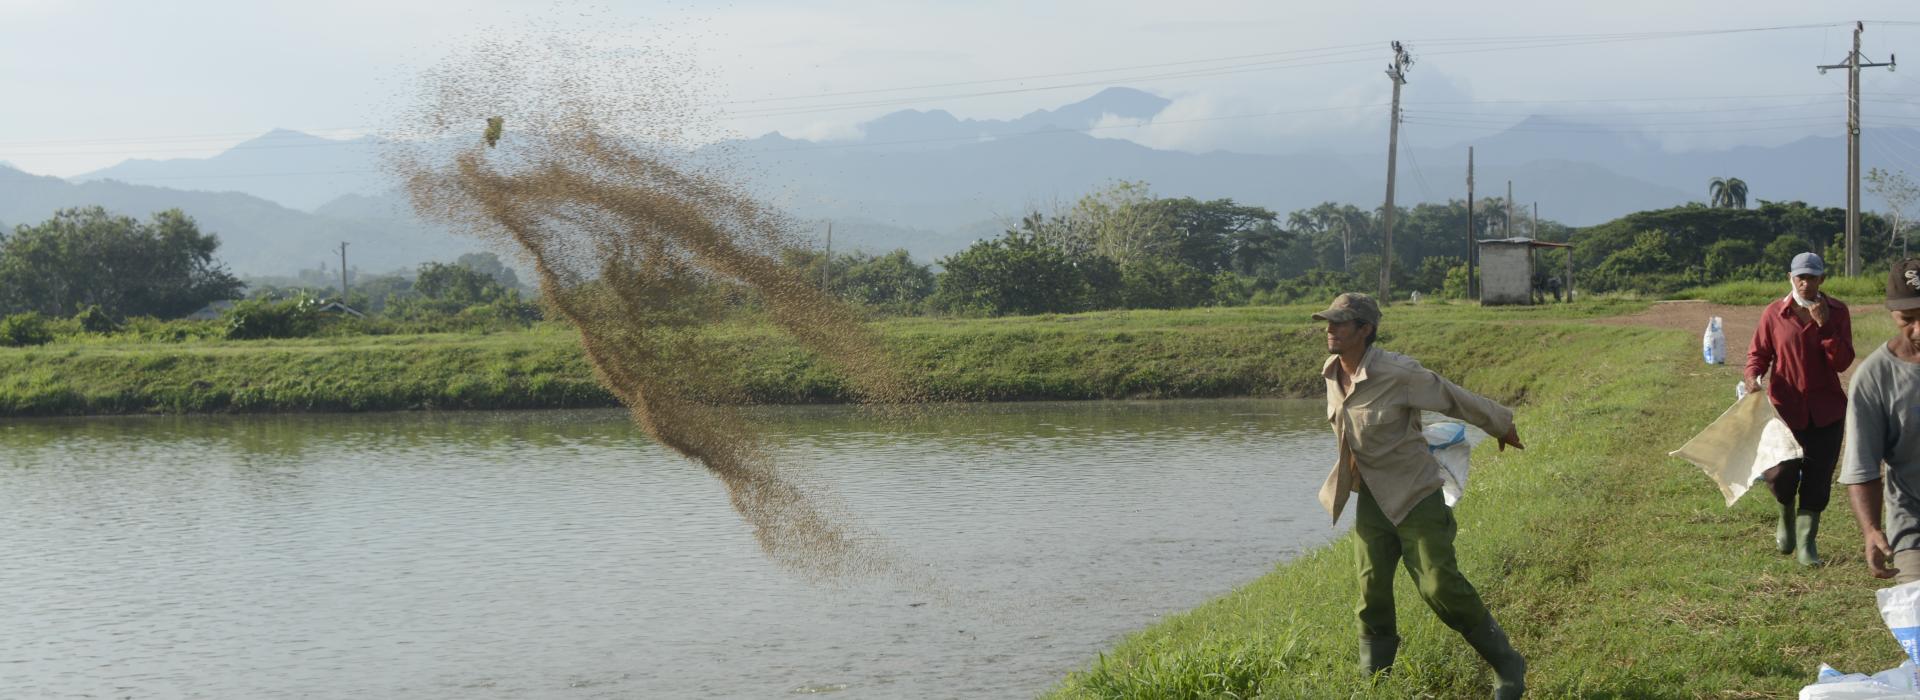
{"x": 561, "y": 554}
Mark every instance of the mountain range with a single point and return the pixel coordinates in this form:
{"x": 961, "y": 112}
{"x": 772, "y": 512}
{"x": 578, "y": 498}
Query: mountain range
{"x": 932, "y": 182}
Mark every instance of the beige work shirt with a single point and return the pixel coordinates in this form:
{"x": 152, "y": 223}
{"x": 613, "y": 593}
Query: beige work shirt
{"x": 1378, "y": 426}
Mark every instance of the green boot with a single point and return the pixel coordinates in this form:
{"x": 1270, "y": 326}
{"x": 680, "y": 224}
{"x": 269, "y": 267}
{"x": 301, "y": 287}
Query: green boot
{"x": 1807, "y": 528}
{"x": 1509, "y": 669}
{"x": 1376, "y": 653}
{"x": 1783, "y": 530}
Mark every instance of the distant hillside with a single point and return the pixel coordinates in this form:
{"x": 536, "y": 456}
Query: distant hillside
{"x": 256, "y": 236}
{"x": 932, "y": 182}
{"x": 296, "y": 170}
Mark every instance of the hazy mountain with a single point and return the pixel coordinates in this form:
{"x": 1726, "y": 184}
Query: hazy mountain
{"x": 297, "y": 170}
{"x": 256, "y": 236}
{"x": 931, "y": 182}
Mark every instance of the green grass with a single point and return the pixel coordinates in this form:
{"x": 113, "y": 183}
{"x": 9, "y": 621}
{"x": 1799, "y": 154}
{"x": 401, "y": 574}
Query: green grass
{"x": 1248, "y": 351}
{"x": 1861, "y": 290}
{"x": 1617, "y": 570}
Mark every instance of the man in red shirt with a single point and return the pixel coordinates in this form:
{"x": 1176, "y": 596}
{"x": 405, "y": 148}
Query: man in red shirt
{"x": 1802, "y": 344}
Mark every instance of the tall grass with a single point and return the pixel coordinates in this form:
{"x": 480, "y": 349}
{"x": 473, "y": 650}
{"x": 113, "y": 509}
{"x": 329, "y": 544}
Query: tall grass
{"x": 1859, "y": 290}
{"x": 1615, "y": 568}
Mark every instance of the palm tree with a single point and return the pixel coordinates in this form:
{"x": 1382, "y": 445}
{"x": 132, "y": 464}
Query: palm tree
{"x": 1728, "y": 193}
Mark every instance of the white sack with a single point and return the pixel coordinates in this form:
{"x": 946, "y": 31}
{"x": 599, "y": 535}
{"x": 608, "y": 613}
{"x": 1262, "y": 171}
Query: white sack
{"x": 1451, "y": 447}
{"x": 1735, "y": 448}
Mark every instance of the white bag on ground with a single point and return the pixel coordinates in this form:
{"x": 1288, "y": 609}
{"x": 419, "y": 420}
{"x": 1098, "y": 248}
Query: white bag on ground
{"x": 1451, "y": 447}
{"x": 1713, "y": 343}
{"x": 1900, "y": 608}
{"x": 1735, "y": 448}
{"x": 1856, "y": 690}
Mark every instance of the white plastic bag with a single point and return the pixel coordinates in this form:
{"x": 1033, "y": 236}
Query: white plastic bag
{"x": 1452, "y": 447}
{"x": 1713, "y": 343}
{"x": 1749, "y": 438}
{"x": 1856, "y": 690}
{"x": 1900, "y": 608}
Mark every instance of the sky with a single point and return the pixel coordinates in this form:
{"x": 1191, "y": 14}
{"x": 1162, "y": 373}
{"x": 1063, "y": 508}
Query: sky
{"x": 92, "y": 83}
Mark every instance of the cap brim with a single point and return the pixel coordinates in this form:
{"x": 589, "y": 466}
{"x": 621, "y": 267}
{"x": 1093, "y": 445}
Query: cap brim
{"x": 1903, "y": 304}
{"x": 1808, "y": 271}
{"x": 1334, "y": 315}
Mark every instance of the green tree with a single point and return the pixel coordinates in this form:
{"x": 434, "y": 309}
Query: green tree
{"x": 1726, "y": 258}
{"x": 1727, "y": 193}
{"x": 1162, "y": 283}
{"x": 162, "y": 267}
{"x": 1779, "y": 254}
{"x": 489, "y": 264}
{"x": 1218, "y": 235}
{"x": 891, "y": 282}
{"x": 456, "y": 283}
{"x": 1014, "y": 274}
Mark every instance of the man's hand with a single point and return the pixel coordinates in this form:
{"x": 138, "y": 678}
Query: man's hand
{"x": 1511, "y": 438}
{"x": 1819, "y": 312}
{"x": 1879, "y": 555}
{"x": 1753, "y": 384}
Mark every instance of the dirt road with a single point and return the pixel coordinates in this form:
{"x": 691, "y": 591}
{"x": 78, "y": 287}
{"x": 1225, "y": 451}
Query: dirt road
{"x": 1737, "y": 322}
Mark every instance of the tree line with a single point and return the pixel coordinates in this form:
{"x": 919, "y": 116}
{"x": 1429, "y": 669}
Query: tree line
{"x": 1119, "y": 247}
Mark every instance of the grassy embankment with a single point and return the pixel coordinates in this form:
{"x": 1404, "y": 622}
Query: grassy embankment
{"x": 1257, "y": 351}
{"x": 1617, "y": 570}
{"x": 1862, "y": 290}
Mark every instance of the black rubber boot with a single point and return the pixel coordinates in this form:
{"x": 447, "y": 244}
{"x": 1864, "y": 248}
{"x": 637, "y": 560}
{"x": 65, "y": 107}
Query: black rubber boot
{"x": 1783, "y": 531}
{"x": 1376, "y": 653}
{"x": 1509, "y": 669}
{"x": 1807, "y": 529}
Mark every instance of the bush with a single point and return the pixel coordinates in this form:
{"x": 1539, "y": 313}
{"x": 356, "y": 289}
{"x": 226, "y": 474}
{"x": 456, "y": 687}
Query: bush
{"x": 173, "y": 331}
{"x": 93, "y": 319}
{"x": 261, "y": 318}
{"x": 24, "y": 329}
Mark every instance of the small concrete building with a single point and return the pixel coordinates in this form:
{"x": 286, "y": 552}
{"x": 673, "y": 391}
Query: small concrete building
{"x": 1507, "y": 271}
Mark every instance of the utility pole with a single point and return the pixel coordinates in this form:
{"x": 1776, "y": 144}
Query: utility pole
{"x": 1471, "y": 246}
{"x": 1535, "y": 231}
{"x": 1346, "y": 242}
{"x": 826, "y": 267}
{"x": 1853, "y": 66}
{"x": 343, "y": 272}
{"x": 1397, "y": 72}
{"x": 1507, "y": 226}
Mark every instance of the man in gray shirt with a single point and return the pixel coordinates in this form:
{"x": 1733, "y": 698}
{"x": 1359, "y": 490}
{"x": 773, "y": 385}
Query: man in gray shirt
{"x": 1883, "y": 427}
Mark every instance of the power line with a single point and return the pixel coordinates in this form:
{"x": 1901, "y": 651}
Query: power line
{"x": 1821, "y": 119}
{"x": 1349, "y": 48}
{"x": 1432, "y": 121}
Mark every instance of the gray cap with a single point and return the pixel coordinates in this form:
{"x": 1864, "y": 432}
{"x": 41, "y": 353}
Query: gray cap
{"x": 1903, "y": 286}
{"x": 1352, "y": 306}
{"x": 1808, "y": 264}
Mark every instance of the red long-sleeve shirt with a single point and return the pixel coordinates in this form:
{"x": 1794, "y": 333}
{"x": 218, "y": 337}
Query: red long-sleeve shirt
{"x": 1803, "y": 362}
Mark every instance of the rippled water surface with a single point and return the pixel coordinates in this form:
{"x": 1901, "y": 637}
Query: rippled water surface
{"x": 562, "y": 555}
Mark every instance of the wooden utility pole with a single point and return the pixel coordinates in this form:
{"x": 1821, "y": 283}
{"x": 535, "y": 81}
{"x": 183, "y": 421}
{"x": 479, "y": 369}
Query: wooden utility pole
{"x": 1535, "y": 231}
{"x": 1346, "y": 242}
{"x": 1507, "y": 226}
{"x": 826, "y": 266}
{"x": 1471, "y": 246}
{"x": 343, "y": 272}
{"x": 1853, "y": 65}
{"x": 1397, "y": 72}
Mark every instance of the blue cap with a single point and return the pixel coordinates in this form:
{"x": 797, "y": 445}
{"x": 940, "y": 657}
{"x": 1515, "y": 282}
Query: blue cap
{"x": 1808, "y": 264}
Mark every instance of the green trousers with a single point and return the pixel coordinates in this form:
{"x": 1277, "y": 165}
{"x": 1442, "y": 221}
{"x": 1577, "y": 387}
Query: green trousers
{"x": 1424, "y": 540}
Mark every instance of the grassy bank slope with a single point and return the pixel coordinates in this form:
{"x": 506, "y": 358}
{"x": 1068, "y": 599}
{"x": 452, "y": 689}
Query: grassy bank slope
{"x": 1259, "y": 351}
{"x": 1616, "y": 569}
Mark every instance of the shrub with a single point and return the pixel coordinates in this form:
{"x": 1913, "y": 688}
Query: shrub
{"x": 93, "y": 319}
{"x": 23, "y": 329}
{"x": 261, "y": 318}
